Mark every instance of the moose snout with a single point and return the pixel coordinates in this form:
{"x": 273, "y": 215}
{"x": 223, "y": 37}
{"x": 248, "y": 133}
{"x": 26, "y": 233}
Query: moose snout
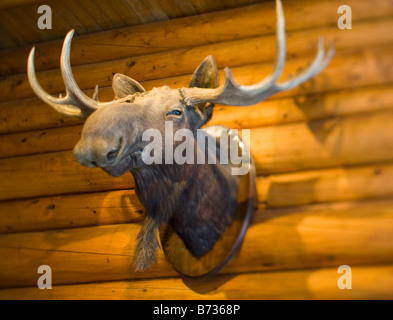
{"x": 84, "y": 157}
{"x": 101, "y": 154}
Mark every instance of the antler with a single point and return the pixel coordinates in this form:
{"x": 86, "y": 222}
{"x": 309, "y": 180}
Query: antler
{"x": 231, "y": 93}
{"x": 75, "y": 103}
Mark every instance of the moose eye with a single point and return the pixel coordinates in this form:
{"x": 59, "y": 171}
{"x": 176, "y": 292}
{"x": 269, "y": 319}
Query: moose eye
{"x": 176, "y": 113}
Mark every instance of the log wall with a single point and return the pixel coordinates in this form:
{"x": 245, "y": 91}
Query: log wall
{"x": 323, "y": 153}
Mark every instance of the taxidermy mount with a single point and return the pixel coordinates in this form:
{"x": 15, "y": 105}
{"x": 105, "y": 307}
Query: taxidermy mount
{"x": 193, "y": 201}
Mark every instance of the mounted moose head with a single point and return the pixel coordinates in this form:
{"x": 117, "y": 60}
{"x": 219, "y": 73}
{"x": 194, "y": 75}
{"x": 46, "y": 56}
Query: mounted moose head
{"x": 197, "y": 200}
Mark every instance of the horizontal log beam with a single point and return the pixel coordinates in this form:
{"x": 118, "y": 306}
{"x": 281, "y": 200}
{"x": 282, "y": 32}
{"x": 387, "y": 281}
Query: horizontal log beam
{"x": 184, "y": 61}
{"x": 329, "y": 185}
{"x": 71, "y": 211}
{"x": 368, "y": 68}
{"x": 31, "y": 114}
{"x": 315, "y": 236}
{"x": 180, "y": 33}
{"x": 372, "y": 282}
{"x": 267, "y": 113}
{"x": 305, "y": 108}
{"x": 333, "y": 142}
{"x": 352, "y": 140}
{"x": 42, "y": 141}
{"x": 54, "y": 174}
{"x": 116, "y": 207}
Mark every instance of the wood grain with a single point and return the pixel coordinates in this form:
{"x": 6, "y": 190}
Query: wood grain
{"x": 372, "y": 282}
{"x": 54, "y": 174}
{"x": 315, "y": 236}
{"x": 368, "y": 68}
{"x": 328, "y": 185}
{"x": 184, "y": 61}
{"x": 323, "y": 151}
{"x": 38, "y": 142}
{"x": 179, "y": 33}
{"x": 267, "y": 113}
{"x": 33, "y": 114}
{"x": 7, "y": 4}
{"x": 122, "y": 206}
{"x": 72, "y": 211}
{"x": 325, "y": 143}
{"x": 352, "y": 140}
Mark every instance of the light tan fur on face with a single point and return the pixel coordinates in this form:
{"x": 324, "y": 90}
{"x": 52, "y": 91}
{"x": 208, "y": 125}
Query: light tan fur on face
{"x": 118, "y": 127}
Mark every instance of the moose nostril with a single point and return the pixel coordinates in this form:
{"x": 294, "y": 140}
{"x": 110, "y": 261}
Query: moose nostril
{"x": 111, "y": 155}
{"x": 93, "y": 163}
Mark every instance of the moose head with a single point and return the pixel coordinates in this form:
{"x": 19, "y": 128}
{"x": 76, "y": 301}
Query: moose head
{"x": 188, "y": 196}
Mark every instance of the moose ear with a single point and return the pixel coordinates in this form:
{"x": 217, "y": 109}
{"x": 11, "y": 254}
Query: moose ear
{"x": 124, "y": 86}
{"x": 206, "y": 75}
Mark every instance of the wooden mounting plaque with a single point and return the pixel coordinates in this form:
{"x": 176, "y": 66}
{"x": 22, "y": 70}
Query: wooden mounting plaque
{"x": 230, "y": 242}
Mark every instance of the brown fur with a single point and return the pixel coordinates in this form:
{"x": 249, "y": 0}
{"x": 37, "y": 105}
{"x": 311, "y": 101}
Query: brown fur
{"x": 186, "y": 196}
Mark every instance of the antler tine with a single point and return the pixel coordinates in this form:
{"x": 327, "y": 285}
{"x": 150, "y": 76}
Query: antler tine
{"x": 231, "y": 93}
{"x": 75, "y": 103}
{"x": 73, "y": 91}
{"x": 320, "y": 63}
{"x": 59, "y": 104}
{"x": 281, "y": 51}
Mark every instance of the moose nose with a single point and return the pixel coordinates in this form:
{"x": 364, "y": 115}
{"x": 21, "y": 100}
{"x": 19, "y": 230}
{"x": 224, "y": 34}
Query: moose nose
{"x": 83, "y": 157}
{"x": 100, "y": 153}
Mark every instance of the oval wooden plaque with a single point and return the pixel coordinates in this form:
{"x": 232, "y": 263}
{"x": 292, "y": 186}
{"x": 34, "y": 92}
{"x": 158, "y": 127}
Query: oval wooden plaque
{"x": 226, "y": 247}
